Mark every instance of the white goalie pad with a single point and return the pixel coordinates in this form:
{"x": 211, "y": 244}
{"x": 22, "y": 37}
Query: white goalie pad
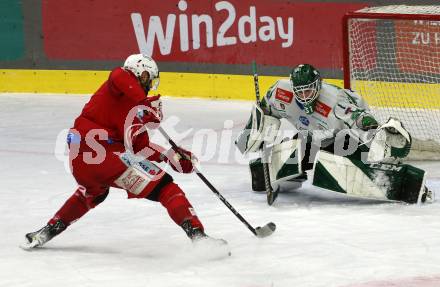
{"x": 260, "y": 128}
{"x": 391, "y": 141}
{"x": 347, "y": 177}
{"x": 285, "y": 161}
{"x": 382, "y": 181}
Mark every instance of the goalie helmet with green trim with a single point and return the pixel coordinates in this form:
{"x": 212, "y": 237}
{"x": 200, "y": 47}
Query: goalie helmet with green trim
{"x": 306, "y": 83}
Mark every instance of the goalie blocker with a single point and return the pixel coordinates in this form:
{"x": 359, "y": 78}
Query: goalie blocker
{"x": 259, "y": 129}
{"x": 284, "y": 159}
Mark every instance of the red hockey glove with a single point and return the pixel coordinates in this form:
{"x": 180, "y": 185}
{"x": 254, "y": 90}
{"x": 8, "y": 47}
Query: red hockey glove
{"x": 152, "y": 114}
{"x": 180, "y": 160}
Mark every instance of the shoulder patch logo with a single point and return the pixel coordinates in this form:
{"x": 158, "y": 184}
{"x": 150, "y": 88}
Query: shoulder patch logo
{"x": 305, "y": 121}
{"x": 284, "y": 96}
{"x": 322, "y": 108}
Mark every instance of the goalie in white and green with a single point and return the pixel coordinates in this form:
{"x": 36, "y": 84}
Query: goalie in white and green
{"x": 336, "y": 136}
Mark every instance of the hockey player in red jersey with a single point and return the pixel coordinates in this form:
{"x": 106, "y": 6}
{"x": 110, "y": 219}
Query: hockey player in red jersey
{"x": 109, "y": 147}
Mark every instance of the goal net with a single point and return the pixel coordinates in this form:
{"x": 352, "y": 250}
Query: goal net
{"x": 392, "y": 58}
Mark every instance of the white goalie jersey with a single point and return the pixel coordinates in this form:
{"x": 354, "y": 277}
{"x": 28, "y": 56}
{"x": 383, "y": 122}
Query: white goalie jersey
{"x": 326, "y": 114}
{"x": 335, "y": 109}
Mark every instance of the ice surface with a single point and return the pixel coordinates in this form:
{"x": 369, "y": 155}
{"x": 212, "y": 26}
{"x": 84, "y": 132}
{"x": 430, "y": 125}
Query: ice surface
{"x": 322, "y": 238}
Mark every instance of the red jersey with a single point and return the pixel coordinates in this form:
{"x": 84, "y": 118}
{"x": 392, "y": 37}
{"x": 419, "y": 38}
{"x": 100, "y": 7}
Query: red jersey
{"x": 109, "y": 107}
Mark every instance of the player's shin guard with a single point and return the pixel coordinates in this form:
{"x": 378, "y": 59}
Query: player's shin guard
{"x": 78, "y": 205}
{"x": 179, "y": 209}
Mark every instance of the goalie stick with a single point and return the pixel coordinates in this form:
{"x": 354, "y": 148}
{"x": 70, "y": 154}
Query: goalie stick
{"x": 271, "y": 194}
{"x": 260, "y": 232}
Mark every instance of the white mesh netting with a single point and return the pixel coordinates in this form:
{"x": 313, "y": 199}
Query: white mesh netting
{"x": 403, "y": 9}
{"x": 395, "y": 65}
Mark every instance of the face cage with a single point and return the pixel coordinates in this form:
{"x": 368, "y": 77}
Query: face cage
{"x": 155, "y": 83}
{"x": 315, "y": 87}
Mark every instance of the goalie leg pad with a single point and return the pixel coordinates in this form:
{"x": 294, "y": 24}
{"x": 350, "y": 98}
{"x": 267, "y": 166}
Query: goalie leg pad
{"x": 285, "y": 169}
{"x": 382, "y": 181}
{"x": 285, "y": 164}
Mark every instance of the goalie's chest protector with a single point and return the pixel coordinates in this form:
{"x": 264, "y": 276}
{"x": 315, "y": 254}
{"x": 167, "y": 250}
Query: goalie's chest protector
{"x": 323, "y": 119}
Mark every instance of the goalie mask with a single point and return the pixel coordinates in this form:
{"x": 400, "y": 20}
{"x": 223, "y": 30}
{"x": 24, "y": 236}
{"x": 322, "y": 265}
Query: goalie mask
{"x": 140, "y": 63}
{"x": 306, "y": 83}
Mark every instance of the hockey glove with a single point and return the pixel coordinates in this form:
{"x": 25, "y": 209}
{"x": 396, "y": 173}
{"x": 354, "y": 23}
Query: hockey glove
{"x": 181, "y": 160}
{"x": 391, "y": 141}
{"x": 152, "y": 114}
{"x": 366, "y": 122}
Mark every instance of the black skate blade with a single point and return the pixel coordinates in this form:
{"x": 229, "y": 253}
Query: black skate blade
{"x": 266, "y": 230}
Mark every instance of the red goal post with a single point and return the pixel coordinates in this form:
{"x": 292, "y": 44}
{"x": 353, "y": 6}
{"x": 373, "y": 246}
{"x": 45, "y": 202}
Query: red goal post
{"x": 391, "y": 57}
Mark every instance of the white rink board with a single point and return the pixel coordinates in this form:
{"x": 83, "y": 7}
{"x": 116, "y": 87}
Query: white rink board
{"x": 322, "y": 239}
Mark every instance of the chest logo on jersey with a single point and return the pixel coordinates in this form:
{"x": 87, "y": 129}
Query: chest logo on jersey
{"x": 322, "y": 109}
{"x": 305, "y": 121}
{"x": 284, "y": 96}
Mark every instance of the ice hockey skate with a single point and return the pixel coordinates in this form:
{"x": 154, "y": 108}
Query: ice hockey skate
{"x": 206, "y": 247}
{"x": 40, "y": 237}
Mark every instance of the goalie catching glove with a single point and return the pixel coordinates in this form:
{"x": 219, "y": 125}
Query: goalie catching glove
{"x": 390, "y": 142}
{"x": 180, "y": 160}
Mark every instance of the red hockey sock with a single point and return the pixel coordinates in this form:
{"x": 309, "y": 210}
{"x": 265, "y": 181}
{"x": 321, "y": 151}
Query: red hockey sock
{"x": 76, "y": 206}
{"x": 178, "y": 206}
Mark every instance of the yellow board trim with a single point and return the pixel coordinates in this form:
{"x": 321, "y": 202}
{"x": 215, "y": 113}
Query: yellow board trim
{"x": 213, "y": 86}
{"x": 51, "y": 81}
{"x": 194, "y": 85}
{"x": 399, "y": 95}
{"x": 191, "y": 85}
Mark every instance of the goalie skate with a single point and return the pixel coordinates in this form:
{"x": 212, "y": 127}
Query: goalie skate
{"x": 427, "y": 196}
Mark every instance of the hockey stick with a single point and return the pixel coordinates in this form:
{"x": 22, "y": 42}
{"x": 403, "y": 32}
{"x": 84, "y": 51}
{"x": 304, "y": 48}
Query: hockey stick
{"x": 271, "y": 194}
{"x": 260, "y": 232}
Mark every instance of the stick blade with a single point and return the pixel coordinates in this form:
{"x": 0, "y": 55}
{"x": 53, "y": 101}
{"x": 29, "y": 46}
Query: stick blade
{"x": 271, "y": 196}
{"x": 265, "y": 230}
